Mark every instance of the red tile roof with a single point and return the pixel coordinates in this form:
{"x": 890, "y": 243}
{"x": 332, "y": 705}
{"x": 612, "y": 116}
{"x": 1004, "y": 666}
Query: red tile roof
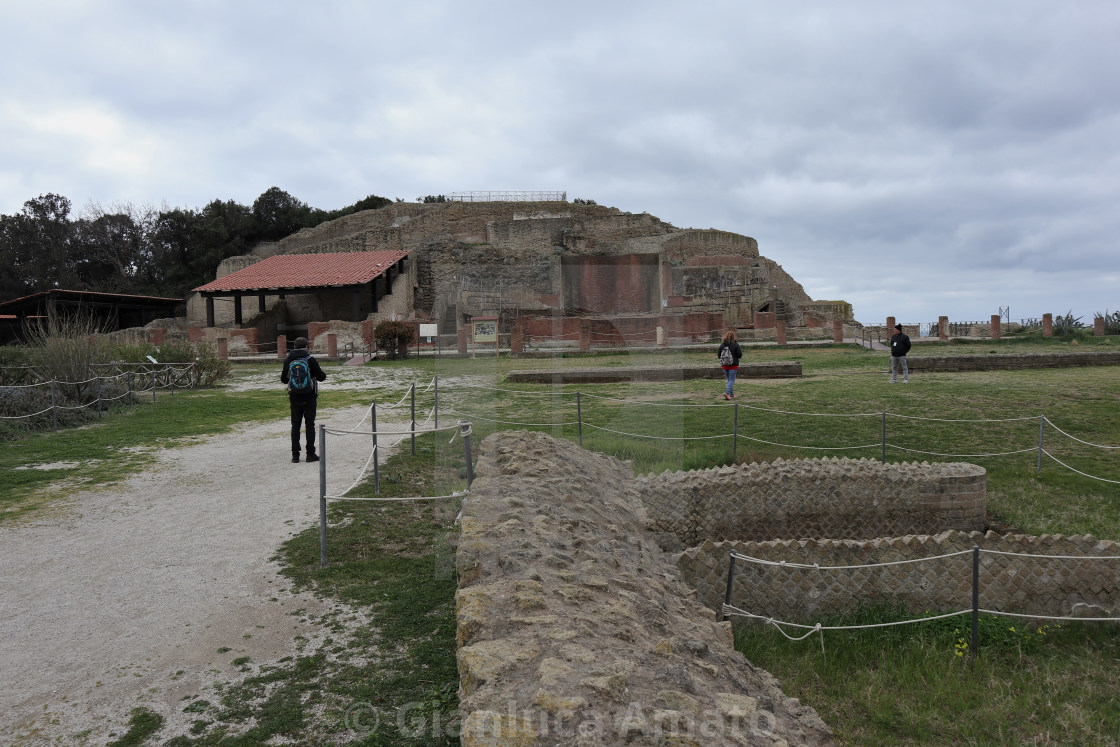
{"x": 289, "y": 271}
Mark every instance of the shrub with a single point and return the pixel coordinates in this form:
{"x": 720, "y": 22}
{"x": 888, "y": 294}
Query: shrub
{"x": 393, "y": 337}
{"x": 1111, "y": 322}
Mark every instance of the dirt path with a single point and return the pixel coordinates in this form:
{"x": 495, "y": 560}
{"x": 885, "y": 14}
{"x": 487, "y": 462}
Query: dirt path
{"x": 127, "y": 597}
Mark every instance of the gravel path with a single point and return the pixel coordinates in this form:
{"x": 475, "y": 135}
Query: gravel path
{"x": 125, "y": 598}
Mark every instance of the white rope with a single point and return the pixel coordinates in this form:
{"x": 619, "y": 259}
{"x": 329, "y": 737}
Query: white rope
{"x": 336, "y": 432}
{"x": 559, "y": 393}
{"x": 818, "y": 567}
{"x": 25, "y": 386}
{"x": 657, "y": 438}
{"x": 361, "y": 474}
{"x": 1083, "y": 474}
{"x": 20, "y": 417}
{"x": 652, "y": 404}
{"x": 76, "y": 407}
{"x": 1053, "y": 557}
{"x": 963, "y": 420}
{"x": 428, "y": 388}
{"x": 1075, "y": 438}
{"x": 729, "y": 610}
{"x": 935, "y": 453}
{"x": 818, "y": 448}
{"x": 456, "y": 494}
{"x": 364, "y": 416}
{"x": 512, "y": 422}
{"x": 1050, "y": 617}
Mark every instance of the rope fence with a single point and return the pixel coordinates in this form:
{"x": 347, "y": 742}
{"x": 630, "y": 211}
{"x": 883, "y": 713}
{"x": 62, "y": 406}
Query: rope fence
{"x": 883, "y": 444}
{"x": 98, "y": 390}
{"x": 460, "y": 429}
{"x": 728, "y": 610}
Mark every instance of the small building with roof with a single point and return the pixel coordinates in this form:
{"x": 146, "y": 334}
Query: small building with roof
{"x": 108, "y": 312}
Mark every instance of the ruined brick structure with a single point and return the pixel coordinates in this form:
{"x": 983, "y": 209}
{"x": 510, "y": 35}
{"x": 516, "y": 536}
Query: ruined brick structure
{"x": 518, "y": 259}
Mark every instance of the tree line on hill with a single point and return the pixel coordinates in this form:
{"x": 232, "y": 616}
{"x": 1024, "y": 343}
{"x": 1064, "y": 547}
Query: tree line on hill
{"x": 142, "y": 251}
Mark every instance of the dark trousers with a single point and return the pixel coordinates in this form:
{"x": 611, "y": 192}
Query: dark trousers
{"x": 303, "y": 411}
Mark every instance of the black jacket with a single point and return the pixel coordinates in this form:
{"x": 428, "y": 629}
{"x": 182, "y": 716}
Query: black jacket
{"x": 900, "y": 344}
{"x": 736, "y": 351}
{"x": 312, "y": 365}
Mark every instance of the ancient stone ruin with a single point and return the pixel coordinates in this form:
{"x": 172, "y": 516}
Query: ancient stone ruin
{"x": 541, "y": 266}
{"x": 581, "y": 620}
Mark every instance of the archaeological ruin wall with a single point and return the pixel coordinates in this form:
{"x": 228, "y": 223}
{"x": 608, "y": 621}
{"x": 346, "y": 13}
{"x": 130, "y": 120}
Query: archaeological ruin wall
{"x": 574, "y": 628}
{"x": 1063, "y": 587}
{"x": 840, "y": 498}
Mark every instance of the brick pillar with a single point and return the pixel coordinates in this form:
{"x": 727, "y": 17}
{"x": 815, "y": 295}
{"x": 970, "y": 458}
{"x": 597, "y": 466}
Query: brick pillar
{"x": 943, "y": 328}
{"x": 837, "y": 330}
{"x": 155, "y": 336}
{"x": 516, "y": 340}
{"x": 332, "y": 345}
{"x": 781, "y": 333}
{"x": 890, "y": 325}
{"x": 584, "y": 336}
{"x": 995, "y": 326}
{"x": 223, "y": 348}
{"x": 662, "y": 337}
{"x": 1047, "y": 325}
{"x": 464, "y": 338}
{"x": 1098, "y": 326}
{"x": 281, "y": 346}
{"x": 194, "y": 334}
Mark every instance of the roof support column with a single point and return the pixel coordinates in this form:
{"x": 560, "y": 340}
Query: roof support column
{"x": 373, "y": 294}
{"x": 209, "y": 311}
{"x": 260, "y": 304}
{"x": 237, "y": 309}
{"x": 357, "y": 301}
{"x": 389, "y": 280}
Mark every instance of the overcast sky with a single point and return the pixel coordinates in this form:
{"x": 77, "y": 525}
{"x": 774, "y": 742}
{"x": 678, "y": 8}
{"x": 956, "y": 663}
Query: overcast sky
{"x": 913, "y": 158}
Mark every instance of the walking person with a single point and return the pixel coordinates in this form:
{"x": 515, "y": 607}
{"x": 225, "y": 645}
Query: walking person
{"x": 302, "y": 374}
{"x": 900, "y": 346}
{"x": 729, "y": 354}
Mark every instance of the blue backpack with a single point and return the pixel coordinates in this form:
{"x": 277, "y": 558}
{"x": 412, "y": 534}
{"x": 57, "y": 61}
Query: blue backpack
{"x": 299, "y": 377}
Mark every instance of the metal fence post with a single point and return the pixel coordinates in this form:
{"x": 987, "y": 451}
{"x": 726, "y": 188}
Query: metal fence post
{"x": 54, "y": 407}
{"x": 376, "y": 456}
{"x": 99, "y": 398}
{"x": 1041, "y": 425}
{"x": 735, "y": 436}
{"x": 435, "y": 408}
{"x": 579, "y": 418}
{"x": 975, "y": 599}
{"x": 730, "y": 579}
{"x": 412, "y": 393}
{"x": 884, "y": 439}
{"x": 322, "y": 495}
{"x": 155, "y": 381}
{"x": 171, "y": 379}
{"x": 129, "y": 378}
{"x": 466, "y": 428}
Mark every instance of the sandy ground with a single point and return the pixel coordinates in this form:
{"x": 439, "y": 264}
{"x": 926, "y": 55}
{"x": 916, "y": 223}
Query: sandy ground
{"x": 125, "y": 597}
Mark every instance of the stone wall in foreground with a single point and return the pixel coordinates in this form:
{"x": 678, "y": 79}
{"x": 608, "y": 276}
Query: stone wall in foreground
{"x": 1008, "y": 583}
{"x": 574, "y": 628}
{"x": 787, "y": 499}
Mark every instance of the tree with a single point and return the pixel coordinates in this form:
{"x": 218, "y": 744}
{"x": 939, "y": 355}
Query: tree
{"x": 35, "y": 247}
{"x": 279, "y": 214}
{"x": 112, "y": 251}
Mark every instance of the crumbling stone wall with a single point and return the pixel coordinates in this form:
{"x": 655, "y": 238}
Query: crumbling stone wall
{"x": 519, "y": 251}
{"x": 840, "y": 498}
{"x": 1032, "y": 586}
{"x": 573, "y": 627}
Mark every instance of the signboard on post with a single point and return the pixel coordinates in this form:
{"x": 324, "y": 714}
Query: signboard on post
{"x": 484, "y": 331}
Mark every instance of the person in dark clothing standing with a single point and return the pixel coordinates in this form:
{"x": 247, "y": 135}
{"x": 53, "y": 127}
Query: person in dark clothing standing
{"x": 729, "y": 354}
{"x": 302, "y": 374}
{"x": 900, "y": 346}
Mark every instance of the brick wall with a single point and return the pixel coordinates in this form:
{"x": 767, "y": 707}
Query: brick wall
{"x": 840, "y": 498}
{"x": 1033, "y": 586}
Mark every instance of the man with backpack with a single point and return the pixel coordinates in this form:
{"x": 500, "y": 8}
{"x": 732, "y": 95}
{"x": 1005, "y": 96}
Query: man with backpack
{"x": 302, "y": 374}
